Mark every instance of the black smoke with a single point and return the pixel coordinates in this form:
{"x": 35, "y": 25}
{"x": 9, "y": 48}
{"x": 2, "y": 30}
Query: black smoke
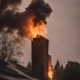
{"x": 13, "y": 20}
{"x": 4, "y": 4}
{"x": 41, "y": 9}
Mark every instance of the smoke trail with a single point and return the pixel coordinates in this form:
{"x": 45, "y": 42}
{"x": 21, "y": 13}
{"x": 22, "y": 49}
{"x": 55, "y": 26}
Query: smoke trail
{"x": 4, "y": 4}
{"x": 11, "y": 19}
{"x": 40, "y": 9}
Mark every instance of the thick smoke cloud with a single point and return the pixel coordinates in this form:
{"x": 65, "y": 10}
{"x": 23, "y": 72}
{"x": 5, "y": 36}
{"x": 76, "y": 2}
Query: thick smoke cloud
{"x": 4, "y": 4}
{"x": 40, "y": 9}
{"x": 13, "y": 20}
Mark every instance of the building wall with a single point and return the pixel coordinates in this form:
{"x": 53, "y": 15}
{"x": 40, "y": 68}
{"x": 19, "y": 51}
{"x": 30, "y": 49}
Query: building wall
{"x": 40, "y": 58}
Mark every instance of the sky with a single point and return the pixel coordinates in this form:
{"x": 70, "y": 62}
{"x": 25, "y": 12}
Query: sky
{"x": 63, "y": 31}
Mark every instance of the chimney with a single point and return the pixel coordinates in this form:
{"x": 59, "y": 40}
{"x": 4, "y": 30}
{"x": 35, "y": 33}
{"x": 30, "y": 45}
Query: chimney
{"x": 40, "y": 58}
{"x": 49, "y": 67}
{"x": 49, "y": 63}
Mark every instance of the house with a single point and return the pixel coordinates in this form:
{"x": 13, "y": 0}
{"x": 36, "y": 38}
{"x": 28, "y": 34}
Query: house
{"x": 10, "y": 71}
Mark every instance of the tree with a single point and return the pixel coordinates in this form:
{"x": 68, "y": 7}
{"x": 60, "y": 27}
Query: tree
{"x": 29, "y": 66}
{"x": 8, "y": 47}
{"x": 61, "y": 72}
{"x": 71, "y": 71}
{"x": 57, "y": 66}
{"x": 58, "y": 70}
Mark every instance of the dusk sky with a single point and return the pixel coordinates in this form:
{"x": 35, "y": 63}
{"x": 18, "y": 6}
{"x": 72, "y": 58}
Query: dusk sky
{"x": 63, "y": 31}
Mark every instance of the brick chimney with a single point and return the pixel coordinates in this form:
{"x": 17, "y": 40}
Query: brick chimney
{"x": 40, "y": 58}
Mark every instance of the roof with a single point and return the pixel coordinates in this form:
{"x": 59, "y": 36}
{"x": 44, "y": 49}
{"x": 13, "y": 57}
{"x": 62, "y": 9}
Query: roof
{"x": 23, "y": 69}
{"x": 8, "y": 71}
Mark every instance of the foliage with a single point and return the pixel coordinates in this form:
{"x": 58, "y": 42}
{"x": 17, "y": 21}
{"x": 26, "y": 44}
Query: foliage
{"x": 71, "y": 71}
{"x": 58, "y": 70}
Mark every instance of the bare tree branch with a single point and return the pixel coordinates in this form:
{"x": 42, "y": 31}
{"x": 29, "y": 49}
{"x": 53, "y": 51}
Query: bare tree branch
{"x": 8, "y": 48}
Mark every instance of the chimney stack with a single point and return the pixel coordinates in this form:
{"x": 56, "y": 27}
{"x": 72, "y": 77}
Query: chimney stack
{"x": 40, "y": 58}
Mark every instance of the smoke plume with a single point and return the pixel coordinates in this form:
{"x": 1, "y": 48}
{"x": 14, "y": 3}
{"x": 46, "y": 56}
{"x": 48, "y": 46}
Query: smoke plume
{"x": 12, "y": 19}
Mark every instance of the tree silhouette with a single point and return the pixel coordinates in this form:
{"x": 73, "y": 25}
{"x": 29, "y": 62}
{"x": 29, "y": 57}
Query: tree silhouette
{"x": 8, "y": 47}
{"x": 58, "y": 71}
{"x": 29, "y": 66}
{"x": 71, "y": 71}
{"x": 61, "y": 72}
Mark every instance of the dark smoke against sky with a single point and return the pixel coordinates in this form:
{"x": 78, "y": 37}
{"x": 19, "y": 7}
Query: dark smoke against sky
{"x": 4, "y": 4}
{"x": 7, "y": 16}
{"x": 11, "y": 19}
{"x": 63, "y": 31}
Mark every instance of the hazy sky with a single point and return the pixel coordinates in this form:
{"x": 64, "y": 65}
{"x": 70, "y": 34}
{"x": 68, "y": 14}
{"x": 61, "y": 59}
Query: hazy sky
{"x": 63, "y": 31}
